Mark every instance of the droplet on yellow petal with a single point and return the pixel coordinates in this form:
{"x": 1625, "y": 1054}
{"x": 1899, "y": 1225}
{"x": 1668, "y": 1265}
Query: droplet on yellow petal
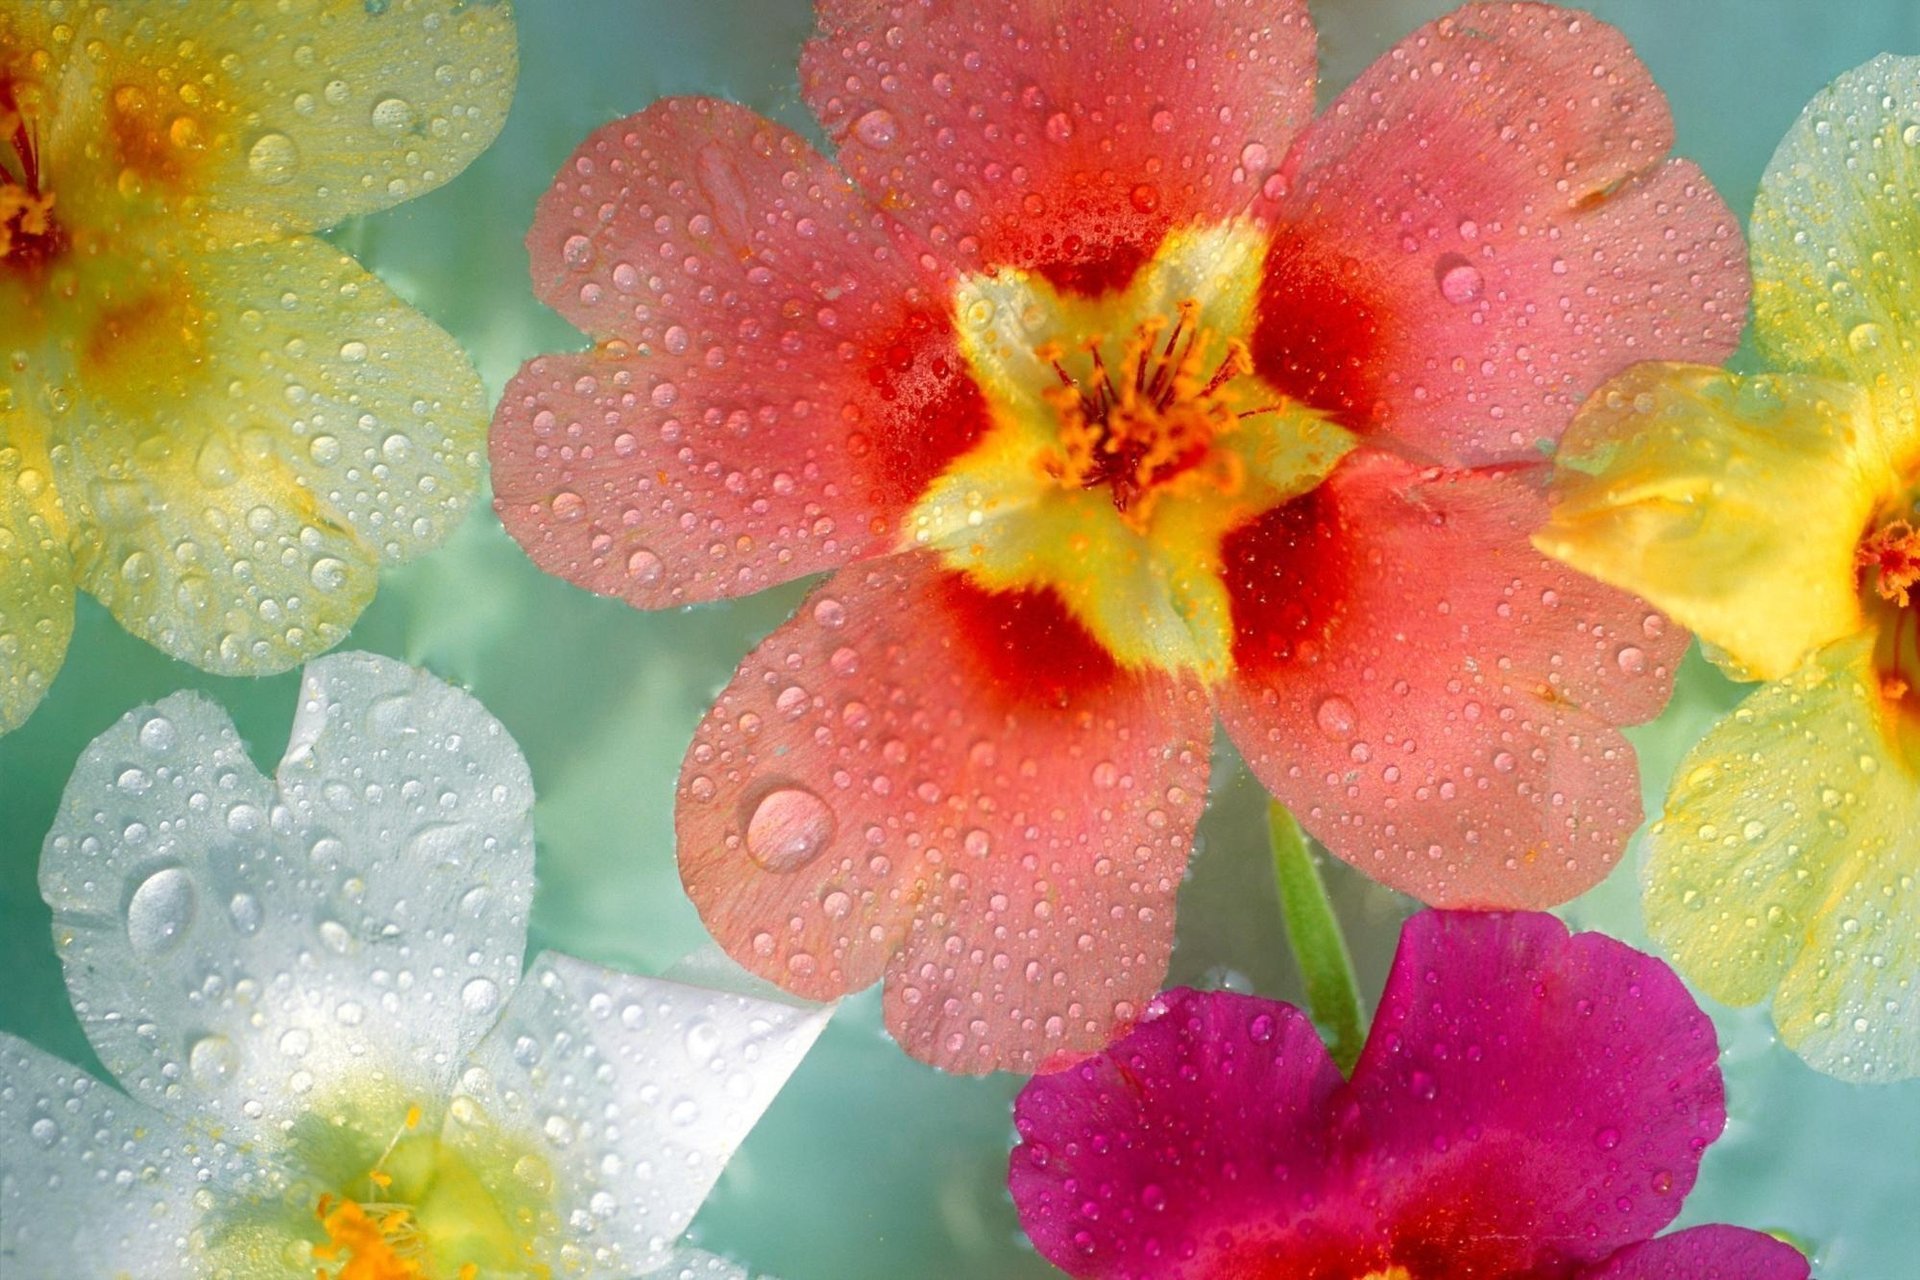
{"x": 1735, "y": 505}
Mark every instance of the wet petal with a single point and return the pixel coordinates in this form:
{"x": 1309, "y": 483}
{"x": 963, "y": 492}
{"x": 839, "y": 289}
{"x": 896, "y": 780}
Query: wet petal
{"x": 1836, "y": 241}
{"x": 1000, "y": 133}
{"x": 1526, "y": 1097}
{"x": 229, "y": 942}
{"x": 93, "y": 1183}
{"x": 300, "y": 117}
{"x": 632, "y": 1093}
{"x": 1506, "y": 233}
{"x": 1734, "y": 504}
{"x": 253, "y": 433}
{"x": 36, "y": 571}
{"x": 797, "y": 384}
{"x": 959, "y": 790}
{"x": 1705, "y": 1253}
{"x": 1206, "y": 1122}
{"x": 1435, "y": 699}
{"x": 1787, "y": 856}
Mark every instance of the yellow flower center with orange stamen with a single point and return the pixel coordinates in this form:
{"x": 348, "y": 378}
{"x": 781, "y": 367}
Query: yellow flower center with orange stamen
{"x": 422, "y": 1211}
{"x": 1129, "y": 435}
{"x": 1888, "y": 559}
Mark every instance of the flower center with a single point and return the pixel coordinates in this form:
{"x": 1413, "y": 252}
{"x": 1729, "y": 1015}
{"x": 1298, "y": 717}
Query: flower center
{"x": 418, "y": 1214}
{"x": 1154, "y": 424}
{"x": 29, "y": 234}
{"x": 1889, "y": 564}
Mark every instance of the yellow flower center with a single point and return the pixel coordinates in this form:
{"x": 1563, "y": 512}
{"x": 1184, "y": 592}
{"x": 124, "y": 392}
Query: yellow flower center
{"x": 420, "y": 1213}
{"x": 1155, "y": 423}
{"x": 1888, "y": 559}
{"x": 1114, "y": 467}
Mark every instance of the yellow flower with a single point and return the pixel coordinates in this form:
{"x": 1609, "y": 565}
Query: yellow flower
{"x": 215, "y": 423}
{"x": 1776, "y": 516}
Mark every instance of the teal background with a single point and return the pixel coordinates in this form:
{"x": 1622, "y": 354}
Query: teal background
{"x": 871, "y": 1165}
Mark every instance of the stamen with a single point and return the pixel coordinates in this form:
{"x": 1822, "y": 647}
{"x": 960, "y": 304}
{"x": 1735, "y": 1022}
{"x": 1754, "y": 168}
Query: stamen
{"x": 1893, "y": 552}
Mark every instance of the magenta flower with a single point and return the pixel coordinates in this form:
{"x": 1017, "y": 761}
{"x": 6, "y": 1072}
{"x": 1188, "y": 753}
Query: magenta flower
{"x": 1529, "y": 1106}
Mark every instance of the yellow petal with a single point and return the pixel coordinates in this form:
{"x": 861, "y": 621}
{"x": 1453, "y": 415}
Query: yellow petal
{"x": 261, "y": 432}
{"x": 36, "y": 573}
{"x": 1786, "y": 857}
{"x": 1836, "y": 242}
{"x": 248, "y": 120}
{"x": 1735, "y": 505}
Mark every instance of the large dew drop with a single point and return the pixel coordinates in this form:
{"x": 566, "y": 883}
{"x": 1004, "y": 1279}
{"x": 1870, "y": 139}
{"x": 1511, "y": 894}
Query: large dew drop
{"x": 789, "y": 828}
{"x": 160, "y": 911}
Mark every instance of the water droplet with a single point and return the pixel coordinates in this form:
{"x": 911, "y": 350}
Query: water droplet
{"x": 394, "y": 115}
{"x": 703, "y": 1041}
{"x": 1864, "y": 337}
{"x": 1459, "y": 279}
{"x": 577, "y": 251}
{"x": 45, "y": 1132}
{"x": 212, "y": 1060}
{"x": 480, "y": 996}
{"x": 160, "y": 911}
{"x": 644, "y": 567}
{"x": 273, "y": 158}
{"x": 877, "y": 128}
{"x": 244, "y": 910}
{"x": 1059, "y": 127}
{"x": 157, "y": 734}
{"x": 789, "y": 828}
{"x": 1632, "y": 660}
{"x": 1335, "y": 716}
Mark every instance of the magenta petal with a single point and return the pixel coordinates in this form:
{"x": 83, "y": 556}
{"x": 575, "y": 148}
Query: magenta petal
{"x": 1519, "y": 1085}
{"x": 1705, "y": 1253}
{"x": 1207, "y": 1118}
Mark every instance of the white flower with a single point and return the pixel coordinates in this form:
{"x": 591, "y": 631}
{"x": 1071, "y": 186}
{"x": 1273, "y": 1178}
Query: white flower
{"x": 311, "y": 989}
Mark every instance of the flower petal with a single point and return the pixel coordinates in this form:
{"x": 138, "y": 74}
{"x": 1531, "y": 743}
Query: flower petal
{"x": 36, "y": 570}
{"x": 634, "y": 1092}
{"x": 1433, "y": 698}
{"x": 1836, "y": 241}
{"x": 1705, "y": 1253}
{"x": 226, "y": 939}
{"x": 797, "y": 383}
{"x": 93, "y": 1183}
{"x": 305, "y": 116}
{"x": 1001, "y": 133}
{"x": 266, "y": 427}
{"x": 1494, "y": 184}
{"x": 1206, "y": 1122}
{"x": 1786, "y": 857}
{"x": 1527, "y": 1099}
{"x": 958, "y": 789}
{"x": 1734, "y": 504}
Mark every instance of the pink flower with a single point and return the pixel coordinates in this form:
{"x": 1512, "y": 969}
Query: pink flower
{"x": 1122, "y": 395}
{"x": 1528, "y": 1105}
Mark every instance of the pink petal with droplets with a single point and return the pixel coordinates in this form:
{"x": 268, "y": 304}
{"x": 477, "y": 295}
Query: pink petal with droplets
{"x": 960, "y": 791}
{"x": 1498, "y": 178}
{"x": 1556, "y": 1091}
{"x": 1527, "y": 1103}
{"x": 779, "y": 384}
{"x": 1210, "y": 1114}
{"x": 1705, "y": 1253}
{"x": 1435, "y": 699}
{"x": 1067, "y": 137}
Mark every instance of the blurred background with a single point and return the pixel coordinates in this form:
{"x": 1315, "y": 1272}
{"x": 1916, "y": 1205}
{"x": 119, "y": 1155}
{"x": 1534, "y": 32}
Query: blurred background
{"x": 871, "y": 1166}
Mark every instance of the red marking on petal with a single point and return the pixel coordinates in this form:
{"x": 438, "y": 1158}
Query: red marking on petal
{"x": 1029, "y": 648}
{"x": 1321, "y": 329}
{"x": 1286, "y": 575}
{"x": 1101, "y": 267}
{"x": 928, "y": 411}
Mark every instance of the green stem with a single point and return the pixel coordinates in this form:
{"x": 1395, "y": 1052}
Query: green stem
{"x": 1313, "y": 933}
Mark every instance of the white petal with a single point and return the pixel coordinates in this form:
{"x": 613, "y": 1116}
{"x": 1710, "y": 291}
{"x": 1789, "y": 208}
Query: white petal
{"x": 233, "y": 946}
{"x": 93, "y": 1183}
{"x": 635, "y": 1091}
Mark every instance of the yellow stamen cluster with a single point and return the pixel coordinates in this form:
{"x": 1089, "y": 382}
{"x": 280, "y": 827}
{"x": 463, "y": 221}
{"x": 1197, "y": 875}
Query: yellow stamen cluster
{"x": 1153, "y": 426}
{"x": 374, "y": 1239}
{"x": 20, "y": 209}
{"x": 1893, "y": 553}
